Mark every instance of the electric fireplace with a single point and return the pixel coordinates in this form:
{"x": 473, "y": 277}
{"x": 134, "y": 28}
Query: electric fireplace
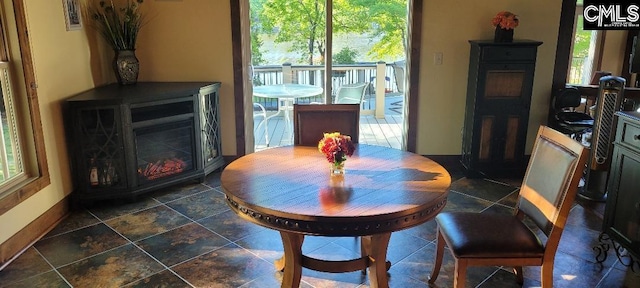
{"x": 164, "y": 150}
{"x": 128, "y": 140}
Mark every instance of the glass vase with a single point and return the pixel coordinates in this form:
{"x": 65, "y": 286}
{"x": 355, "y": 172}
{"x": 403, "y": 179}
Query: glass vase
{"x": 337, "y": 168}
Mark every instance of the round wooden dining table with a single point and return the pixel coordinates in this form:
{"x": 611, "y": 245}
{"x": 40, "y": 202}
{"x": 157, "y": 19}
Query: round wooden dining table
{"x": 290, "y": 189}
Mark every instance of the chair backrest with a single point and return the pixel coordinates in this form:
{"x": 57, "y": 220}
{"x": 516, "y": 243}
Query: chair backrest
{"x": 398, "y": 72}
{"x": 569, "y": 97}
{"x": 551, "y": 181}
{"x": 312, "y": 121}
{"x": 351, "y": 93}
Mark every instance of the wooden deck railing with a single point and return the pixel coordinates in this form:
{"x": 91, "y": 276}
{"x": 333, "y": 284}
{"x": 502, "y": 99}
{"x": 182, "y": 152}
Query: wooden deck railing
{"x": 391, "y": 80}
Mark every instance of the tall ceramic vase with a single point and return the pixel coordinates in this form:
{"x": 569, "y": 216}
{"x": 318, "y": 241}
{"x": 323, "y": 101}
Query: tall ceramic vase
{"x": 503, "y": 35}
{"x": 126, "y": 67}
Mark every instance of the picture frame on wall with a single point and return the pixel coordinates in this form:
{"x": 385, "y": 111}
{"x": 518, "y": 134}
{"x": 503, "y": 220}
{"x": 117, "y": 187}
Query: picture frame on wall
{"x": 72, "y": 15}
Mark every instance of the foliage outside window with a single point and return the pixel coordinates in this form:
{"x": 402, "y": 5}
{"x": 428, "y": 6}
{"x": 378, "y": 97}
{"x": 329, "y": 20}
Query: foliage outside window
{"x": 301, "y": 24}
{"x": 583, "y": 54}
{"x": 345, "y": 56}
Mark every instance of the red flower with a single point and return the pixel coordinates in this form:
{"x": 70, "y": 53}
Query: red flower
{"x": 336, "y": 147}
{"x": 505, "y": 20}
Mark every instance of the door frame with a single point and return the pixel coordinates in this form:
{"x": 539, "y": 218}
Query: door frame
{"x": 241, "y": 64}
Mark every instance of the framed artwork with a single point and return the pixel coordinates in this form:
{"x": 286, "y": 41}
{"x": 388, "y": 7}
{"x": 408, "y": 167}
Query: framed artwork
{"x": 72, "y": 14}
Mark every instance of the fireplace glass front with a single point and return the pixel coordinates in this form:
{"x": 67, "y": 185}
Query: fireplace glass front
{"x": 164, "y": 150}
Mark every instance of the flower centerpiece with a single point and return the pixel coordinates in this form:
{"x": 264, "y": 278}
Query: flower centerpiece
{"x": 336, "y": 148}
{"x": 505, "y": 22}
{"x": 119, "y": 26}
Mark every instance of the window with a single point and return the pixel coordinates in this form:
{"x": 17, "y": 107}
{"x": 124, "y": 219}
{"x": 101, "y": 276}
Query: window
{"x": 23, "y": 166}
{"x": 11, "y": 164}
{"x": 585, "y": 50}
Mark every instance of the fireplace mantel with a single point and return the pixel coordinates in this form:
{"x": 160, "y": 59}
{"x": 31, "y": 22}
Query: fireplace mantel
{"x": 133, "y": 139}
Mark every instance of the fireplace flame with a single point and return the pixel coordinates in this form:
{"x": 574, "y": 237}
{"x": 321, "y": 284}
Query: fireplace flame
{"x": 162, "y": 168}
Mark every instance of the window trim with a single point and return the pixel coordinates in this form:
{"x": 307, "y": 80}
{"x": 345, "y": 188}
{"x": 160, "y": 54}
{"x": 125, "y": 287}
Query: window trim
{"x": 41, "y": 178}
{"x": 7, "y": 90}
{"x": 599, "y": 46}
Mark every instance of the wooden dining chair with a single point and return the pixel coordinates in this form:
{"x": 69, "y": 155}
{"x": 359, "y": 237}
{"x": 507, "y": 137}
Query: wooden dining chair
{"x": 546, "y": 195}
{"x": 310, "y": 122}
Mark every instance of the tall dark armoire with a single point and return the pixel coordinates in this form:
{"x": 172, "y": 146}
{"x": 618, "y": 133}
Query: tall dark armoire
{"x": 497, "y": 107}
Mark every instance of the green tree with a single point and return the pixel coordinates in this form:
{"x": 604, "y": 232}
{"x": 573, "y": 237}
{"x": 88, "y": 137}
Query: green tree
{"x": 581, "y": 41}
{"x": 256, "y": 42}
{"x": 389, "y": 26}
{"x": 302, "y": 23}
{"x": 345, "y": 56}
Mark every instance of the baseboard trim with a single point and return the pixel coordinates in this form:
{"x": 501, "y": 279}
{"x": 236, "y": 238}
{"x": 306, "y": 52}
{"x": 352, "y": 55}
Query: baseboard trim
{"x": 25, "y": 238}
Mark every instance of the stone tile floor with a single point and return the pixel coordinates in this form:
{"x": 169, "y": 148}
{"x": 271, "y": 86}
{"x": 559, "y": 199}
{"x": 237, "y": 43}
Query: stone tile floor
{"x": 185, "y": 236}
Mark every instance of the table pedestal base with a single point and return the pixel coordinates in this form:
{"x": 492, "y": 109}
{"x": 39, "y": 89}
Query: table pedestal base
{"x": 374, "y": 255}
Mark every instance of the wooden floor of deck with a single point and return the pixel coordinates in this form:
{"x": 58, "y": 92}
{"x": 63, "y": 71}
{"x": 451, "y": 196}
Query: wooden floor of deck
{"x": 385, "y": 131}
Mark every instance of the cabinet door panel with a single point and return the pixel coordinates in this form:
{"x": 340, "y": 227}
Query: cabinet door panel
{"x": 504, "y": 83}
{"x": 209, "y": 99}
{"x": 486, "y": 135}
{"x": 623, "y": 208}
{"x": 511, "y": 139}
{"x": 100, "y": 154}
{"x": 510, "y": 82}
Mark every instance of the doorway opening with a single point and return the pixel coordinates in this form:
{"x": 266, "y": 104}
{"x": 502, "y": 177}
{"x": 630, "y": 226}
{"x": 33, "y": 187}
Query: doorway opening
{"x": 291, "y": 45}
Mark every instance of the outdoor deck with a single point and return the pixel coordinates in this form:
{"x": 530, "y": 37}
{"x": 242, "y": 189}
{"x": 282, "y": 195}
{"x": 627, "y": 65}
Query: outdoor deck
{"x": 385, "y": 131}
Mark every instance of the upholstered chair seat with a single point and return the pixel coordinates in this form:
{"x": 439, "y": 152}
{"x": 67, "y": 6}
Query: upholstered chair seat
{"x": 483, "y": 235}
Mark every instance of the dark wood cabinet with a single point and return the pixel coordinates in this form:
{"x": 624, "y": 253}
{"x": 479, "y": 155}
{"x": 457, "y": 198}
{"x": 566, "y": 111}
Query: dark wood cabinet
{"x": 497, "y": 107}
{"x": 127, "y": 140}
{"x": 622, "y": 211}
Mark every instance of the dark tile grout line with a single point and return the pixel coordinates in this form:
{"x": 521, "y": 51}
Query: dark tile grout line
{"x": 474, "y": 197}
{"x": 53, "y": 268}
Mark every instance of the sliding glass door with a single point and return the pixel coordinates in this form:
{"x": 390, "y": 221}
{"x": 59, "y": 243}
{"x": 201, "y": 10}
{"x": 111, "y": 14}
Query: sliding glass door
{"x": 323, "y": 51}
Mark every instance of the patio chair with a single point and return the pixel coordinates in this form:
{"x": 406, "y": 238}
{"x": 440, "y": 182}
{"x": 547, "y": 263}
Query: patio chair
{"x": 546, "y": 196}
{"x": 260, "y": 111}
{"x": 398, "y": 73}
{"x": 351, "y": 93}
{"x": 310, "y": 122}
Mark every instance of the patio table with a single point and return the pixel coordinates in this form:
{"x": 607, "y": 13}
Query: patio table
{"x": 286, "y": 94}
